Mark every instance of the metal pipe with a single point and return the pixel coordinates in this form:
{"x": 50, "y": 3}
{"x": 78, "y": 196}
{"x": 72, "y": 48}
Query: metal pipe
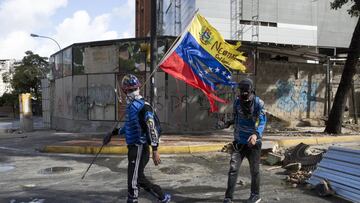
{"x": 153, "y": 50}
{"x": 328, "y": 87}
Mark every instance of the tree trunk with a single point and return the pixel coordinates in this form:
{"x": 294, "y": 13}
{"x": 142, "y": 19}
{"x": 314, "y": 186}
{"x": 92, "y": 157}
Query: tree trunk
{"x": 334, "y": 122}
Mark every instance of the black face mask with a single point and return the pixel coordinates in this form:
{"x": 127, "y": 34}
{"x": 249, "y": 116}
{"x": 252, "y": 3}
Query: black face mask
{"x": 246, "y": 100}
{"x": 245, "y": 95}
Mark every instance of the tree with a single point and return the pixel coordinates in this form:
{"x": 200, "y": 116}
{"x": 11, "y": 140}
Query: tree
{"x": 334, "y": 122}
{"x": 26, "y": 77}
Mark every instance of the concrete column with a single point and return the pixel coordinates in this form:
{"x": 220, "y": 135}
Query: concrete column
{"x": 26, "y": 119}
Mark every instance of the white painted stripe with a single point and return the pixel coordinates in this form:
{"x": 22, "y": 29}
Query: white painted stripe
{"x": 297, "y": 26}
{"x": 136, "y": 169}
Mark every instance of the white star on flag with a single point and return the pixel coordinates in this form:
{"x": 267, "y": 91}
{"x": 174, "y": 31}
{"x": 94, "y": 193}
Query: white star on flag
{"x": 224, "y": 72}
{"x": 228, "y": 77}
{"x": 211, "y": 69}
{"x": 217, "y": 69}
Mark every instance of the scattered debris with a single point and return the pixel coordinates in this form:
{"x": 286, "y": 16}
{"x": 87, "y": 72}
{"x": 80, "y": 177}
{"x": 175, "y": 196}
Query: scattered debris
{"x": 55, "y": 170}
{"x": 36, "y": 200}
{"x": 299, "y": 164}
{"x": 243, "y": 181}
{"x": 324, "y": 189}
{"x": 273, "y": 158}
{"x": 29, "y": 186}
{"x": 299, "y": 177}
{"x": 298, "y": 155}
{"x": 339, "y": 170}
{"x": 273, "y": 168}
{"x": 293, "y": 167}
{"x": 228, "y": 148}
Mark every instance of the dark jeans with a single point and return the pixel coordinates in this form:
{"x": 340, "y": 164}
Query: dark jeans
{"x": 138, "y": 157}
{"x": 253, "y": 156}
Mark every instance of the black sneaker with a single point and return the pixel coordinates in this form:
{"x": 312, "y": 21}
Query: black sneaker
{"x": 227, "y": 200}
{"x": 254, "y": 199}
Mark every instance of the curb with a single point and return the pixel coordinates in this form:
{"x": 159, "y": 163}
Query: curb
{"x": 186, "y": 149}
{"x": 316, "y": 140}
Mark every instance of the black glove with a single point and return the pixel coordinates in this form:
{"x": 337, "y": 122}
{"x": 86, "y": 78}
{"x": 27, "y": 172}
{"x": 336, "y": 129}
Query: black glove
{"x": 107, "y": 138}
{"x": 115, "y": 131}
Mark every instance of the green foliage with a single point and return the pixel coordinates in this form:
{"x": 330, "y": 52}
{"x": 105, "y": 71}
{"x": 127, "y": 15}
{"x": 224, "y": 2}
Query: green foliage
{"x": 354, "y": 10}
{"x": 9, "y": 99}
{"x": 26, "y": 77}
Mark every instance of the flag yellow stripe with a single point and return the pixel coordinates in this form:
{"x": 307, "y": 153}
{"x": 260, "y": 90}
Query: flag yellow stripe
{"x": 212, "y": 41}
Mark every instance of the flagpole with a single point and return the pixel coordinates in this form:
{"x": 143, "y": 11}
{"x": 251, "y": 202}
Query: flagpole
{"x": 153, "y": 51}
{"x": 177, "y": 39}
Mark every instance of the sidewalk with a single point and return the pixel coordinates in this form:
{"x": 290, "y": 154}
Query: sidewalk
{"x": 51, "y": 141}
{"x": 180, "y": 144}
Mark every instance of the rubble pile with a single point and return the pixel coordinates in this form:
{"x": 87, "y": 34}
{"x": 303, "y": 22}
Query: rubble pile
{"x": 298, "y": 178}
{"x": 299, "y": 162}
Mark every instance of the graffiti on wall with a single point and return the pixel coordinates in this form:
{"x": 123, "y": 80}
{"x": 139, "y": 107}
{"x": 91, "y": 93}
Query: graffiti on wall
{"x": 97, "y": 95}
{"x": 80, "y": 105}
{"x": 290, "y": 97}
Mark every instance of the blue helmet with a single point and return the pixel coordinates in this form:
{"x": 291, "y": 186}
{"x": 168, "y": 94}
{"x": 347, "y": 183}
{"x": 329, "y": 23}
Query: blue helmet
{"x": 130, "y": 82}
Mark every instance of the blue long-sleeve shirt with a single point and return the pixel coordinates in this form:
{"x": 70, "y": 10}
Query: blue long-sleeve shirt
{"x": 245, "y": 126}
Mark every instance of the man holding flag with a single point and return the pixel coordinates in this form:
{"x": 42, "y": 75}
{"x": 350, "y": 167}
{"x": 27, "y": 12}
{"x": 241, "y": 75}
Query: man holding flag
{"x": 203, "y": 59}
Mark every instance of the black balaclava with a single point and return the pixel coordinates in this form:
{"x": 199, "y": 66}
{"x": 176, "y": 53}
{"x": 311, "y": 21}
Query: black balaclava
{"x": 246, "y": 96}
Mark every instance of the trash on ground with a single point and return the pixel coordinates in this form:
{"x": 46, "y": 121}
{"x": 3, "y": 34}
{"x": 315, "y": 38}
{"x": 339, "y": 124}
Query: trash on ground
{"x": 273, "y": 158}
{"x": 228, "y": 148}
{"x": 298, "y": 154}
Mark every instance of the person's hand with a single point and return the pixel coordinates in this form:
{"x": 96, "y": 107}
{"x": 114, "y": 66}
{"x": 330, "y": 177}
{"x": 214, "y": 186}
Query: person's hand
{"x": 107, "y": 138}
{"x": 252, "y": 140}
{"x": 156, "y": 158}
{"x": 115, "y": 131}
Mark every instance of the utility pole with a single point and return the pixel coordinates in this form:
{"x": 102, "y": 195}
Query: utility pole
{"x": 153, "y": 51}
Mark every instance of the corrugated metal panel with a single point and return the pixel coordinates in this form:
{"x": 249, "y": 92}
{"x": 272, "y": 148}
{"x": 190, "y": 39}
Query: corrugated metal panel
{"x": 341, "y": 167}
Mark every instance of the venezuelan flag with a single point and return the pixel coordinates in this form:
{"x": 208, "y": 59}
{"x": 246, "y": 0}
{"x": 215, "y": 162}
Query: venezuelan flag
{"x": 202, "y": 58}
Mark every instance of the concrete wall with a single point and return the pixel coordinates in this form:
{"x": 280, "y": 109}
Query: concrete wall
{"x": 292, "y": 90}
{"x": 88, "y": 102}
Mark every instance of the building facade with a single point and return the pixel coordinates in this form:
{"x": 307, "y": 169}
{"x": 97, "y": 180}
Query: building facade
{"x": 85, "y": 96}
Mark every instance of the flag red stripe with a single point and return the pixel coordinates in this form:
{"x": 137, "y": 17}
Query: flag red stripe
{"x": 174, "y": 65}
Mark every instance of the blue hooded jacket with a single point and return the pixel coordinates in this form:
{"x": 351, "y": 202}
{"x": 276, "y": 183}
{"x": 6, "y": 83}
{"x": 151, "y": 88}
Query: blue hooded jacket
{"x": 245, "y": 126}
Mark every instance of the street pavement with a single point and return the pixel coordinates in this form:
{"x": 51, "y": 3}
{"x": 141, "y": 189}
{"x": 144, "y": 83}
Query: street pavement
{"x": 25, "y": 175}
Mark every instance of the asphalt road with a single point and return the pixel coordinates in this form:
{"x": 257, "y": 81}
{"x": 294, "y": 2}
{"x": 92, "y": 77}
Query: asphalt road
{"x": 25, "y": 177}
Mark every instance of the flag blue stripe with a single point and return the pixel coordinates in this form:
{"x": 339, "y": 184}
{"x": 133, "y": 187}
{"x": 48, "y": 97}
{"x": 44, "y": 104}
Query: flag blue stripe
{"x": 193, "y": 54}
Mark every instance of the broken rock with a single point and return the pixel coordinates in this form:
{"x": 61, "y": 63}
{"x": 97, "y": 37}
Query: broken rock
{"x": 273, "y": 158}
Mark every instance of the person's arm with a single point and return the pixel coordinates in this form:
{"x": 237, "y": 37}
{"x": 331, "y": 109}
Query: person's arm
{"x": 262, "y": 120}
{"x": 152, "y": 132}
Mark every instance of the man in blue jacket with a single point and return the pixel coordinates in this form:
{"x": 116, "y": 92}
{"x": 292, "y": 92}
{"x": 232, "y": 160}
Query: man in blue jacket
{"x": 249, "y": 123}
{"x": 141, "y": 129}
